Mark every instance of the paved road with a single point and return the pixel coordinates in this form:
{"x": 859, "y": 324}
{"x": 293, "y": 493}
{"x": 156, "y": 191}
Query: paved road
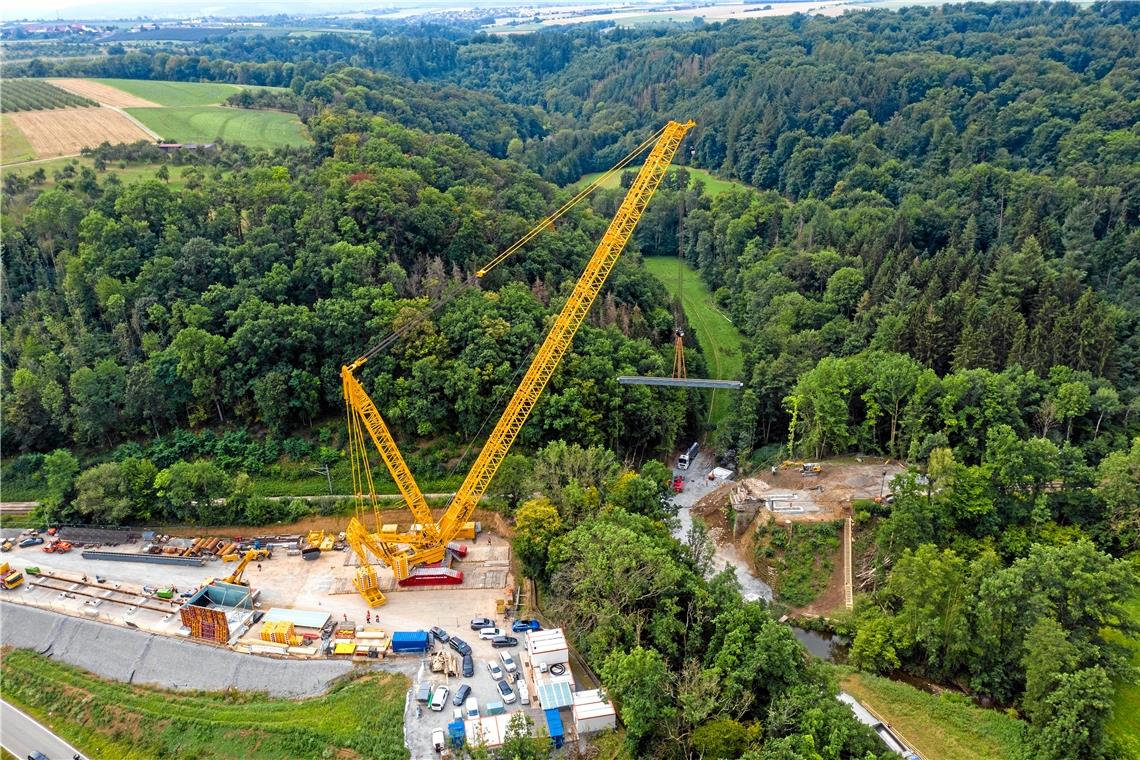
{"x": 21, "y": 735}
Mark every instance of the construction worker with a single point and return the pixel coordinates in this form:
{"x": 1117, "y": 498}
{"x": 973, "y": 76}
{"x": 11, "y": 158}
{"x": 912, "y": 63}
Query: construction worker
{"x": 259, "y": 567}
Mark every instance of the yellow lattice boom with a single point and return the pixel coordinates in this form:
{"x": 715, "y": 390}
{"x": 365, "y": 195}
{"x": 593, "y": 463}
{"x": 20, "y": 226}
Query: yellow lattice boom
{"x": 401, "y": 552}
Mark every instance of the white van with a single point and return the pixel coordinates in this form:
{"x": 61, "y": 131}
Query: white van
{"x": 688, "y": 457}
{"x": 524, "y": 692}
{"x": 472, "y": 706}
{"x": 508, "y": 662}
{"x": 438, "y": 698}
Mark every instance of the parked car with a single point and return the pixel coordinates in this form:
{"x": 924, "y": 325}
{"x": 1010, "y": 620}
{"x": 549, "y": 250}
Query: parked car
{"x": 459, "y": 645}
{"x": 439, "y": 698}
{"x": 461, "y": 695}
{"x": 31, "y": 541}
{"x": 508, "y": 662}
{"x": 507, "y": 692}
{"x": 468, "y": 666}
{"x": 489, "y": 633}
{"x": 438, "y": 740}
{"x": 521, "y": 626}
{"x": 496, "y": 671}
{"x": 524, "y": 692}
{"x": 479, "y": 624}
{"x": 472, "y": 707}
{"x": 504, "y": 641}
{"x": 440, "y": 634}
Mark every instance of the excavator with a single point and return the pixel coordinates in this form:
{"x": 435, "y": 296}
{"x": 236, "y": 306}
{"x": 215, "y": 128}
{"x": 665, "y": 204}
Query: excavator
{"x": 236, "y": 576}
{"x": 416, "y": 556}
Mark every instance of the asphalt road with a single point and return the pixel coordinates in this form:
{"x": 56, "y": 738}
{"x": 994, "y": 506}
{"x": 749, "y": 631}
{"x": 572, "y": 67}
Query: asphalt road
{"x": 21, "y": 735}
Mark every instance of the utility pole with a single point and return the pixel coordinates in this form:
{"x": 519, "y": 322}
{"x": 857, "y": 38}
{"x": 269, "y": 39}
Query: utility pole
{"x": 324, "y": 470}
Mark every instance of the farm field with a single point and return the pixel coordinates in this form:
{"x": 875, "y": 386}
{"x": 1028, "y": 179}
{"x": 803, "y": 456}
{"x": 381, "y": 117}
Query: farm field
{"x": 103, "y": 93}
{"x": 37, "y": 94}
{"x": 65, "y": 131}
{"x": 362, "y": 717}
{"x": 947, "y": 727}
{"x": 13, "y": 145}
{"x": 172, "y": 94}
{"x": 714, "y": 185}
{"x": 721, "y": 343}
{"x": 258, "y": 129}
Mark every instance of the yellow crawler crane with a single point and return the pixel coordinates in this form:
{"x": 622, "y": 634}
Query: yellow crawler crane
{"x": 403, "y": 552}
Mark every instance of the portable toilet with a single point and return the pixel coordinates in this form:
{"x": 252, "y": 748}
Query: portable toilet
{"x": 455, "y": 732}
{"x": 554, "y": 727}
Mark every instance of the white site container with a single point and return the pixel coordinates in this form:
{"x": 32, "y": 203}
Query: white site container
{"x": 547, "y": 647}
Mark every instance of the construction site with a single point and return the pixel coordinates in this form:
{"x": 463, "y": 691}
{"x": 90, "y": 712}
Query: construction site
{"x": 429, "y": 593}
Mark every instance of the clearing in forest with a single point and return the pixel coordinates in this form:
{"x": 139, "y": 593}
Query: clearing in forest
{"x": 714, "y": 185}
{"x": 204, "y": 124}
{"x": 720, "y": 342}
{"x": 65, "y": 131}
{"x": 1125, "y": 723}
{"x": 101, "y": 93}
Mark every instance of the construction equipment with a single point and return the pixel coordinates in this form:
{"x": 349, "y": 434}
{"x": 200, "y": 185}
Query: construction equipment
{"x": 10, "y": 578}
{"x": 58, "y": 547}
{"x": 805, "y": 468}
{"x": 7, "y": 545}
{"x": 402, "y": 552}
{"x": 236, "y": 576}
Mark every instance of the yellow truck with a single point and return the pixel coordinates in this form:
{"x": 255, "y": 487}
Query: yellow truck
{"x": 10, "y": 578}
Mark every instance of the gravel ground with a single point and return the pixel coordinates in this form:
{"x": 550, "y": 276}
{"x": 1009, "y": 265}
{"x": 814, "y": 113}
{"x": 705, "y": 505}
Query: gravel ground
{"x": 144, "y": 658}
{"x": 697, "y": 486}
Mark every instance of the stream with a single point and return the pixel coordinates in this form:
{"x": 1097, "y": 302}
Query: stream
{"x": 697, "y": 485}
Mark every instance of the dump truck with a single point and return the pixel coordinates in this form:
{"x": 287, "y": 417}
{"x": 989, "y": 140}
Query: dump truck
{"x": 689, "y": 456}
{"x": 10, "y": 578}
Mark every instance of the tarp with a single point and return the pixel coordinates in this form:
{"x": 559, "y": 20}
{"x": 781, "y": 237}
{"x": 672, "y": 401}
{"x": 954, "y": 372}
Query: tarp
{"x": 554, "y": 726}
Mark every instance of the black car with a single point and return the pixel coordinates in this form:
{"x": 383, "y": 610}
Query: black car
{"x": 468, "y": 666}
{"x": 31, "y": 541}
{"x": 459, "y": 645}
{"x": 504, "y": 641}
{"x": 440, "y": 634}
{"x": 461, "y": 695}
{"x": 479, "y": 624}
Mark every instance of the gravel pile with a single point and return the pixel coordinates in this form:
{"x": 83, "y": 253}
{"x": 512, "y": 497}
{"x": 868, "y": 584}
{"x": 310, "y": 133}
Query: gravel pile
{"x": 145, "y": 658}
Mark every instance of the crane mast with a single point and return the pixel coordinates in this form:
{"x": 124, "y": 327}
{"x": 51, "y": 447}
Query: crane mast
{"x": 428, "y": 543}
{"x": 561, "y": 335}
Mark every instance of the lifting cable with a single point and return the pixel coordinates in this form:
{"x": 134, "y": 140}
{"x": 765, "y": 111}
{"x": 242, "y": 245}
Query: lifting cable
{"x": 458, "y": 288}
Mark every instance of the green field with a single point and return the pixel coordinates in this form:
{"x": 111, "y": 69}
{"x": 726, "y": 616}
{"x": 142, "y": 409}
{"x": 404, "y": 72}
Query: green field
{"x": 203, "y": 124}
{"x": 13, "y": 145}
{"x": 356, "y": 718}
{"x": 131, "y": 172}
{"x": 947, "y": 727}
{"x": 174, "y": 94}
{"x": 37, "y": 95}
{"x": 720, "y": 342}
{"x": 1125, "y": 724}
{"x": 714, "y": 185}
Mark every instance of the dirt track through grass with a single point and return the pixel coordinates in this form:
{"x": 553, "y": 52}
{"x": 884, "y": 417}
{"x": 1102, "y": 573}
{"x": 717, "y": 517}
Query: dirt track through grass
{"x": 720, "y": 342}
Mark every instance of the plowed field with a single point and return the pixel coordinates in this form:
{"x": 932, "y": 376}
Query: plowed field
{"x": 105, "y": 94}
{"x": 65, "y": 131}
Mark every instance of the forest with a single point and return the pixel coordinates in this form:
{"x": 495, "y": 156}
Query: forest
{"x": 933, "y": 253}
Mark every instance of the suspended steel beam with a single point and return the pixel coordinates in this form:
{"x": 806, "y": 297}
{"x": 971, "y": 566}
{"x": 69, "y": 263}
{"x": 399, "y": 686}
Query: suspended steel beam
{"x": 680, "y": 382}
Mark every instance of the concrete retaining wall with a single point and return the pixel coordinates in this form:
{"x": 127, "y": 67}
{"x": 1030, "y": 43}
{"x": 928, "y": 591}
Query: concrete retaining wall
{"x": 144, "y": 658}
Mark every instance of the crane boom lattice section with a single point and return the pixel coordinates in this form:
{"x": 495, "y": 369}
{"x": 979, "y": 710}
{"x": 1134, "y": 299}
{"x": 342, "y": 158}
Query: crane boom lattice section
{"x": 561, "y": 335}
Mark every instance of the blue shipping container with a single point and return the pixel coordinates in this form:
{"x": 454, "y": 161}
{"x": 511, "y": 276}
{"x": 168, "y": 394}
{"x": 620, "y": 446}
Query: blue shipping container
{"x": 410, "y": 641}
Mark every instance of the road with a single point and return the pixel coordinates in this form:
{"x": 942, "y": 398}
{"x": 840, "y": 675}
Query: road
{"x": 21, "y": 735}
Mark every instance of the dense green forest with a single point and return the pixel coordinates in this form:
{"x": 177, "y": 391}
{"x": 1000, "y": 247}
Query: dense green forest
{"x": 936, "y": 258}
